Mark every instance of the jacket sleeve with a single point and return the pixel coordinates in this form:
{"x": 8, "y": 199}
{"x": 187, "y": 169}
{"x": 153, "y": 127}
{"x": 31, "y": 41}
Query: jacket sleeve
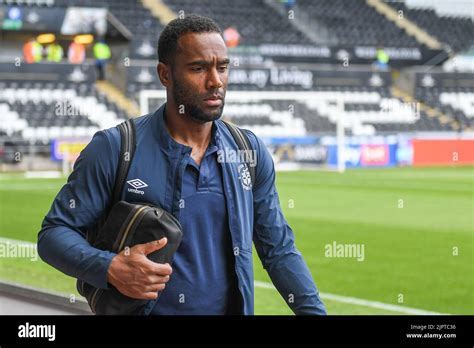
{"x": 275, "y": 243}
{"x": 78, "y": 206}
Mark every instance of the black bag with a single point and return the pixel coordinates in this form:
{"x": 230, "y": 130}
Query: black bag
{"x": 126, "y": 225}
{"x": 129, "y": 224}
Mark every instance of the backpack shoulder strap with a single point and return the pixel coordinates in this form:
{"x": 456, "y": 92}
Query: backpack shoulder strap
{"x": 127, "y": 150}
{"x": 243, "y": 142}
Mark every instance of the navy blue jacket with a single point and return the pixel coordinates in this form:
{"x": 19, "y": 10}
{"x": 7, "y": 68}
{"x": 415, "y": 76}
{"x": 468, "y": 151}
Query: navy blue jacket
{"x": 254, "y": 210}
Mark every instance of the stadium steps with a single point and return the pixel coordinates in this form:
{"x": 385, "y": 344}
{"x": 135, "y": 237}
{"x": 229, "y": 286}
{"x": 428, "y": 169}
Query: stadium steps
{"x": 310, "y": 27}
{"x": 410, "y": 27}
{"x": 116, "y": 96}
{"x": 429, "y": 110}
{"x": 159, "y": 10}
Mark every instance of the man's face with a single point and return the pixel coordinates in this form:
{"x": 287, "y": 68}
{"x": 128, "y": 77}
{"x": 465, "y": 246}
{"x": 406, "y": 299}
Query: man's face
{"x": 199, "y": 76}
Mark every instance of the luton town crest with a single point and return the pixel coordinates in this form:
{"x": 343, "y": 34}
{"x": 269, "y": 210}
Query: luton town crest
{"x": 244, "y": 176}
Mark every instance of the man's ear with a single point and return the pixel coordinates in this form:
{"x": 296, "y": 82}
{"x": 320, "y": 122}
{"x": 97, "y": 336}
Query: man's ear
{"x": 164, "y": 73}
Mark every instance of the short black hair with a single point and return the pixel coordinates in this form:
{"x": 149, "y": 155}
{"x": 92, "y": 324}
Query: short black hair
{"x": 179, "y": 26}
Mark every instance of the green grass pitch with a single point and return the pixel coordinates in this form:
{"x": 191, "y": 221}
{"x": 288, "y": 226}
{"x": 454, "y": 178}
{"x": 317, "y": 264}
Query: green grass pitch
{"x": 416, "y": 226}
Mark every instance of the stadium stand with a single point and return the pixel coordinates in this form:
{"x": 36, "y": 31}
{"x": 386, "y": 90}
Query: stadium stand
{"x": 352, "y": 22}
{"x": 39, "y": 110}
{"x": 136, "y": 18}
{"x": 375, "y": 109}
{"x": 29, "y": 106}
{"x": 455, "y": 101}
{"x": 356, "y": 23}
{"x": 456, "y": 32}
{"x": 131, "y": 13}
{"x": 255, "y": 21}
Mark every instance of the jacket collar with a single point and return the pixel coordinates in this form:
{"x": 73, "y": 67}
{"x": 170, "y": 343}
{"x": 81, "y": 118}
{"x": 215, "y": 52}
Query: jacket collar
{"x": 167, "y": 143}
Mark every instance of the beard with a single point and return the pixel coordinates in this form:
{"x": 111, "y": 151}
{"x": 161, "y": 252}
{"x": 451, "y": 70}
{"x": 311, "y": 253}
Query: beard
{"x": 193, "y": 104}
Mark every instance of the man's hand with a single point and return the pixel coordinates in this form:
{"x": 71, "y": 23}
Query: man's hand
{"x": 134, "y": 275}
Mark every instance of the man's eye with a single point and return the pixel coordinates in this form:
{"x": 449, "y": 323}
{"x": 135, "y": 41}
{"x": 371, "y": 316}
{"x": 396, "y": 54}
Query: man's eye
{"x": 199, "y": 68}
{"x": 223, "y": 68}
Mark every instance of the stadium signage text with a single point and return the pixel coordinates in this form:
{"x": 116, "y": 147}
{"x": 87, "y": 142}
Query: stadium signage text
{"x": 374, "y": 155}
{"x": 62, "y": 148}
{"x": 393, "y": 52}
{"x": 399, "y": 56}
{"x": 295, "y": 50}
{"x": 312, "y": 153}
{"x": 275, "y": 77}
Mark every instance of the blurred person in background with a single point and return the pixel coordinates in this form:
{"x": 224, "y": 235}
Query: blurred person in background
{"x": 289, "y": 4}
{"x": 54, "y": 52}
{"x": 231, "y": 37}
{"x": 102, "y": 55}
{"x": 76, "y": 53}
{"x": 33, "y": 51}
{"x": 382, "y": 59}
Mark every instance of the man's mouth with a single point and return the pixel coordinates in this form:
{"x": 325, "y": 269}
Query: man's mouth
{"x": 215, "y": 100}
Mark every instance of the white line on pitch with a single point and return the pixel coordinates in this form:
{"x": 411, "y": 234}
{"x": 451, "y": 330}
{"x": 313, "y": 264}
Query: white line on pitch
{"x": 361, "y": 302}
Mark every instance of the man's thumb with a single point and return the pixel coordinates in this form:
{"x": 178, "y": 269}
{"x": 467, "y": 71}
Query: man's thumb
{"x": 152, "y": 246}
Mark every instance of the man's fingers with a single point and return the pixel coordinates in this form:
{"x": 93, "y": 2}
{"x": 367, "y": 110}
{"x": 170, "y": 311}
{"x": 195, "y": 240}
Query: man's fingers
{"x": 143, "y": 295}
{"x": 159, "y": 269}
{"x": 150, "y": 295}
{"x": 155, "y": 287}
{"x": 154, "y": 279}
{"x": 150, "y": 247}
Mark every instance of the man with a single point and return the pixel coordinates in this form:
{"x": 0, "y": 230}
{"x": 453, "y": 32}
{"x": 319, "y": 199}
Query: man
{"x": 54, "y": 52}
{"x": 178, "y": 165}
{"x": 102, "y": 55}
{"x": 33, "y": 51}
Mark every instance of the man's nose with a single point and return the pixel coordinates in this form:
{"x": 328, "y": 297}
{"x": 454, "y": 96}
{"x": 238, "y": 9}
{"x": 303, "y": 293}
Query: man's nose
{"x": 214, "y": 80}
